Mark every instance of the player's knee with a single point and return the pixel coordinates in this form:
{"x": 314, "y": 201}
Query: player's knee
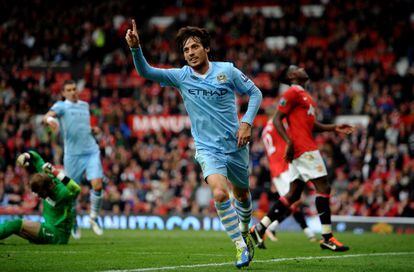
{"x": 220, "y": 194}
{"x": 293, "y": 198}
{"x": 322, "y": 186}
{"x": 295, "y": 192}
{"x": 97, "y": 184}
{"x": 326, "y": 190}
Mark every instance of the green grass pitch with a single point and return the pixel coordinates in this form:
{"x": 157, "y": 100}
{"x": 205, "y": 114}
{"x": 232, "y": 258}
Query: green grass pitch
{"x": 127, "y": 250}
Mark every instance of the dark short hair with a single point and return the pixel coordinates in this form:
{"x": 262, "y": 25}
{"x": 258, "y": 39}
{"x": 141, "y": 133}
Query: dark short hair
{"x": 191, "y": 31}
{"x": 40, "y": 182}
{"x": 67, "y": 82}
{"x": 283, "y": 75}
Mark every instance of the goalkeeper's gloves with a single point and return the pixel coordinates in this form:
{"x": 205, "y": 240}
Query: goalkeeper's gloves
{"x": 48, "y": 168}
{"x": 23, "y": 160}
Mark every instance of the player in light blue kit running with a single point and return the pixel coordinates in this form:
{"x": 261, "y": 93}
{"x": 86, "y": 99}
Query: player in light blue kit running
{"x": 208, "y": 91}
{"x": 81, "y": 152}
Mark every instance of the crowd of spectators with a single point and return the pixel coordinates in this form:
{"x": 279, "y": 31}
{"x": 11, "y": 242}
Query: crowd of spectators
{"x": 358, "y": 68}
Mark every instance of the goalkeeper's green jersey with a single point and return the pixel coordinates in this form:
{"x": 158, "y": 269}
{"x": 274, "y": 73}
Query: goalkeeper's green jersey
{"x": 58, "y": 209}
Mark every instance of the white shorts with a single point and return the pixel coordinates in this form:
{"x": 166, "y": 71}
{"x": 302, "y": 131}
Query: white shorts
{"x": 282, "y": 182}
{"x": 308, "y": 166}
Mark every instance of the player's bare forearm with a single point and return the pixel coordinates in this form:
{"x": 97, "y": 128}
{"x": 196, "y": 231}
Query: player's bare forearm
{"x": 277, "y": 122}
{"x": 319, "y": 127}
{"x": 342, "y": 128}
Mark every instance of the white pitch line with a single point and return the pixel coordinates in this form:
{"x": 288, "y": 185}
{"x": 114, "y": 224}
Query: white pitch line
{"x": 265, "y": 261}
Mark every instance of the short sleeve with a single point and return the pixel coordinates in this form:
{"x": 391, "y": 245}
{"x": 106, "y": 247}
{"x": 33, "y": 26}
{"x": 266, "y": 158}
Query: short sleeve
{"x": 241, "y": 82}
{"x": 172, "y": 77}
{"x": 59, "y": 108}
{"x": 288, "y": 101}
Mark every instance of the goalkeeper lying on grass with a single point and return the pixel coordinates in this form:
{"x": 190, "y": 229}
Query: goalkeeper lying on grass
{"x": 57, "y": 192}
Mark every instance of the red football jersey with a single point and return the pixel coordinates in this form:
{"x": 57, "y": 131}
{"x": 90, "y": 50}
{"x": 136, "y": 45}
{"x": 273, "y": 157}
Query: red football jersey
{"x": 299, "y": 108}
{"x": 275, "y": 150}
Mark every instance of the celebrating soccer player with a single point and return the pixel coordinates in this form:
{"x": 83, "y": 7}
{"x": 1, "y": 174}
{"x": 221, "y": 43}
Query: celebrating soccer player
{"x": 58, "y": 193}
{"x": 305, "y": 161}
{"x": 208, "y": 90}
{"x": 81, "y": 152}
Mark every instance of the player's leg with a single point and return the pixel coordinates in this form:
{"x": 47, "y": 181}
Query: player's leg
{"x": 74, "y": 169}
{"x": 299, "y": 217}
{"x": 228, "y": 217}
{"x": 238, "y": 174}
{"x": 323, "y": 191}
{"x": 215, "y": 174}
{"x": 312, "y": 167}
{"x": 271, "y": 231}
{"x": 10, "y": 227}
{"x": 279, "y": 211}
{"x": 43, "y": 233}
{"x": 29, "y": 230}
{"x": 243, "y": 205}
{"x": 94, "y": 173}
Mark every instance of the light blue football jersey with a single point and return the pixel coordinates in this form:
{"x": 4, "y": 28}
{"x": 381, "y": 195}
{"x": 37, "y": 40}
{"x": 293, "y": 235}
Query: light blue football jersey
{"x": 210, "y": 101}
{"x": 74, "y": 121}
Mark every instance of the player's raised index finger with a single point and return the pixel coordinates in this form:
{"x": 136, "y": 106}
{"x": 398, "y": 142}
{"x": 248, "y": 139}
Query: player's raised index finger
{"x": 134, "y": 26}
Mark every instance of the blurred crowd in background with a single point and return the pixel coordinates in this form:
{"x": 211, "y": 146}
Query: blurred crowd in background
{"x": 359, "y": 55}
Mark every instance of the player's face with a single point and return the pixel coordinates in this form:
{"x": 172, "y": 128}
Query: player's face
{"x": 194, "y": 53}
{"x": 301, "y": 73}
{"x": 42, "y": 194}
{"x": 70, "y": 92}
{"x": 297, "y": 74}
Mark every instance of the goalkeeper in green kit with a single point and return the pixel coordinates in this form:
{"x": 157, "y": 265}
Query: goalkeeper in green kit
{"x": 57, "y": 192}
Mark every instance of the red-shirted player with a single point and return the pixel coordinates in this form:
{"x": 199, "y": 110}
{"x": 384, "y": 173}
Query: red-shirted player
{"x": 306, "y": 163}
{"x": 279, "y": 169}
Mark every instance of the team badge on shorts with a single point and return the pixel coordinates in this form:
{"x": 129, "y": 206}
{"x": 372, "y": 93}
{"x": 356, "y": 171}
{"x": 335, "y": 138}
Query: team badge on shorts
{"x": 319, "y": 168}
{"x": 309, "y": 157}
{"x": 222, "y": 78}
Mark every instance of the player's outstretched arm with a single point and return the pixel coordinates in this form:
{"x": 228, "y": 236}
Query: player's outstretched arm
{"x": 343, "y": 128}
{"x": 168, "y": 77}
{"x": 31, "y": 160}
{"x": 277, "y": 122}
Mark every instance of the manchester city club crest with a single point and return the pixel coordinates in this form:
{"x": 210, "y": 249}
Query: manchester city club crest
{"x": 222, "y": 78}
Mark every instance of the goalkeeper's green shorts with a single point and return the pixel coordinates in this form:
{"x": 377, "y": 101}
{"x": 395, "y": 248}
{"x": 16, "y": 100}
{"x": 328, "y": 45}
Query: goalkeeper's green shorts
{"x": 50, "y": 235}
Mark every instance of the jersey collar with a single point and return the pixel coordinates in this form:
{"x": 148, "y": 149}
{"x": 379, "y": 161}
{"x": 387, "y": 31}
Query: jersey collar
{"x": 203, "y": 76}
{"x": 70, "y": 102}
{"x": 298, "y": 86}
